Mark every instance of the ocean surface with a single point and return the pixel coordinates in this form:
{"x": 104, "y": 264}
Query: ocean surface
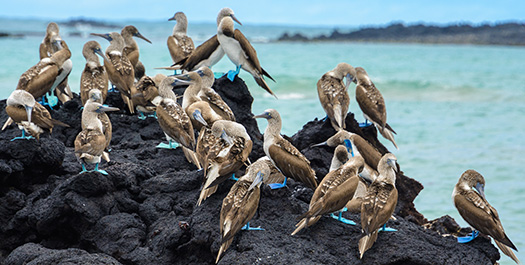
{"x": 454, "y": 107}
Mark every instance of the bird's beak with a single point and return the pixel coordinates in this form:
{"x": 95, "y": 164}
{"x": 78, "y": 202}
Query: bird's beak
{"x": 99, "y": 52}
{"x": 179, "y": 82}
{"x": 105, "y": 108}
{"x": 197, "y": 115}
{"x": 138, "y": 35}
{"x": 481, "y": 190}
{"x": 262, "y": 115}
{"x": 349, "y": 79}
{"x": 58, "y": 43}
{"x": 226, "y": 137}
{"x": 171, "y": 18}
{"x": 258, "y": 180}
{"x": 105, "y": 36}
{"x": 29, "y": 110}
{"x": 320, "y": 144}
{"x": 235, "y": 19}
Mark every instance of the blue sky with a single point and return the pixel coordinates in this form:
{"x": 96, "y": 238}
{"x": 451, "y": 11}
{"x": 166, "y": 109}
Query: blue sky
{"x": 331, "y": 12}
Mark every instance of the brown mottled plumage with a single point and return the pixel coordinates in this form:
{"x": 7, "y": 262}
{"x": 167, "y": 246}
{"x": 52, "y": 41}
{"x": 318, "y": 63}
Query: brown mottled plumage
{"x": 476, "y": 210}
{"x": 94, "y": 75}
{"x": 131, "y": 49}
{"x": 241, "y": 203}
{"x": 379, "y": 203}
{"x": 283, "y": 154}
{"x": 372, "y": 104}
{"x": 179, "y": 44}
{"x": 335, "y": 190}
{"x": 29, "y": 114}
{"x": 333, "y": 93}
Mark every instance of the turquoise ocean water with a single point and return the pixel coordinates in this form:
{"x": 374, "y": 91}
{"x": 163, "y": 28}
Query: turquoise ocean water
{"x": 454, "y": 107}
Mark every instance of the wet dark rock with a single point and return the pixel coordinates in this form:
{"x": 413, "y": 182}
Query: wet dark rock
{"x": 144, "y": 211}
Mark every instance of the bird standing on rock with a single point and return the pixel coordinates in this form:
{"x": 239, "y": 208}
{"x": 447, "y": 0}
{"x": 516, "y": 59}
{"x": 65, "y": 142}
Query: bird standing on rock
{"x": 91, "y": 141}
{"x": 94, "y": 75}
{"x": 476, "y": 210}
{"x": 30, "y": 116}
{"x": 241, "y": 203}
{"x": 333, "y": 93}
{"x": 335, "y": 190}
{"x": 120, "y": 71}
{"x": 239, "y": 49}
{"x": 379, "y": 203}
{"x": 47, "y": 49}
{"x": 372, "y": 104}
{"x": 283, "y": 154}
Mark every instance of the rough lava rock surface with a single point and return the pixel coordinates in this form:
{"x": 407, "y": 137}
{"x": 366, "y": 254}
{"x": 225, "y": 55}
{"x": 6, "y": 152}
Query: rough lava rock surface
{"x": 144, "y": 211}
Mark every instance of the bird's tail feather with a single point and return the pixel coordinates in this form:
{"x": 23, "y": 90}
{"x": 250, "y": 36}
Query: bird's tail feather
{"x": 191, "y": 157}
{"x": 366, "y": 242}
{"x": 507, "y": 251}
{"x": 260, "y": 81}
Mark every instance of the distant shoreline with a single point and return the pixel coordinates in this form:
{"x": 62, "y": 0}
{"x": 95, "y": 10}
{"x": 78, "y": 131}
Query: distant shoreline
{"x": 500, "y": 34}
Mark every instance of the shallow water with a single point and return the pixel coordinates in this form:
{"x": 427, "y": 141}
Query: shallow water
{"x": 454, "y": 107}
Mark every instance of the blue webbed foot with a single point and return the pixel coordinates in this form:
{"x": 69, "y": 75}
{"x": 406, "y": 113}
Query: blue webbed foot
{"x": 112, "y": 89}
{"x": 234, "y": 178}
{"x": 103, "y": 172}
{"x": 470, "y": 237}
{"x": 154, "y": 115}
{"x": 141, "y": 115}
{"x": 249, "y": 228}
{"x": 23, "y": 137}
{"x": 387, "y": 229}
{"x": 84, "y": 170}
{"x": 49, "y": 100}
{"x": 232, "y": 74}
{"x": 275, "y": 186}
{"x": 365, "y": 124}
{"x": 341, "y": 219}
{"x": 170, "y": 145}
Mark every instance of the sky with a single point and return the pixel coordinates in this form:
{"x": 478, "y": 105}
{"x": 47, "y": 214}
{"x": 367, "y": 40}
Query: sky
{"x": 291, "y": 12}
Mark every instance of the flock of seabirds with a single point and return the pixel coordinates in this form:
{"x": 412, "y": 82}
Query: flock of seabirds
{"x": 360, "y": 179}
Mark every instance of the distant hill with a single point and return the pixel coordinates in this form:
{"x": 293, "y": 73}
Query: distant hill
{"x": 498, "y": 34}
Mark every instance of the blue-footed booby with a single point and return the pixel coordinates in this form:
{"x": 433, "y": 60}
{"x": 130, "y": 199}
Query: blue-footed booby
{"x": 131, "y": 50}
{"x": 379, "y": 203}
{"x": 47, "y": 49}
{"x": 145, "y": 91}
{"x": 335, "y": 190}
{"x": 239, "y": 50}
{"x": 48, "y": 73}
{"x": 283, "y": 154}
{"x": 476, "y": 210}
{"x": 241, "y": 203}
{"x": 372, "y": 104}
{"x": 202, "y": 104}
{"x": 94, "y": 75}
{"x": 174, "y": 121}
{"x": 30, "y": 116}
{"x": 120, "y": 71}
{"x": 333, "y": 93}
{"x": 107, "y": 129}
{"x": 179, "y": 44}
{"x": 91, "y": 141}
{"x": 228, "y": 154}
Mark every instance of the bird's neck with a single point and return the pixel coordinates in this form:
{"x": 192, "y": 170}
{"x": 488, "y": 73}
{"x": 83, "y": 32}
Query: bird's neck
{"x": 274, "y": 128}
{"x": 180, "y": 27}
{"x": 225, "y": 24}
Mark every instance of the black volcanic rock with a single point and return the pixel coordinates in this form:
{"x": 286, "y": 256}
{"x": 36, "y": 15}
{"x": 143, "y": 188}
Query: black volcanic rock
{"x": 497, "y": 34}
{"x": 144, "y": 212}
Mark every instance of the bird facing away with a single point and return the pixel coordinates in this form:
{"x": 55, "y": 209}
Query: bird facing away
{"x": 333, "y": 93}
{"x": 239, "y": 50}
{"x": 120, "y": 71}
{"x": 131, "y": 49}
{"x": 379, "y": 203}
{"x": 227, "y": 154}
{"x": 335, "y": 190}
{"x": 107, "y": 129}
{"x": 47, "y": 49}
{"x": 476, "y": 210}
{"x": 145, "y": 92}
{"x": 94, "y": 75}
{"x": 91, "y": 141}
{"x": 179, "y": 44}
{"x": 372, "y": 104}
{"x": 30, "y": 116}
{"x": 283, "y": 154}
